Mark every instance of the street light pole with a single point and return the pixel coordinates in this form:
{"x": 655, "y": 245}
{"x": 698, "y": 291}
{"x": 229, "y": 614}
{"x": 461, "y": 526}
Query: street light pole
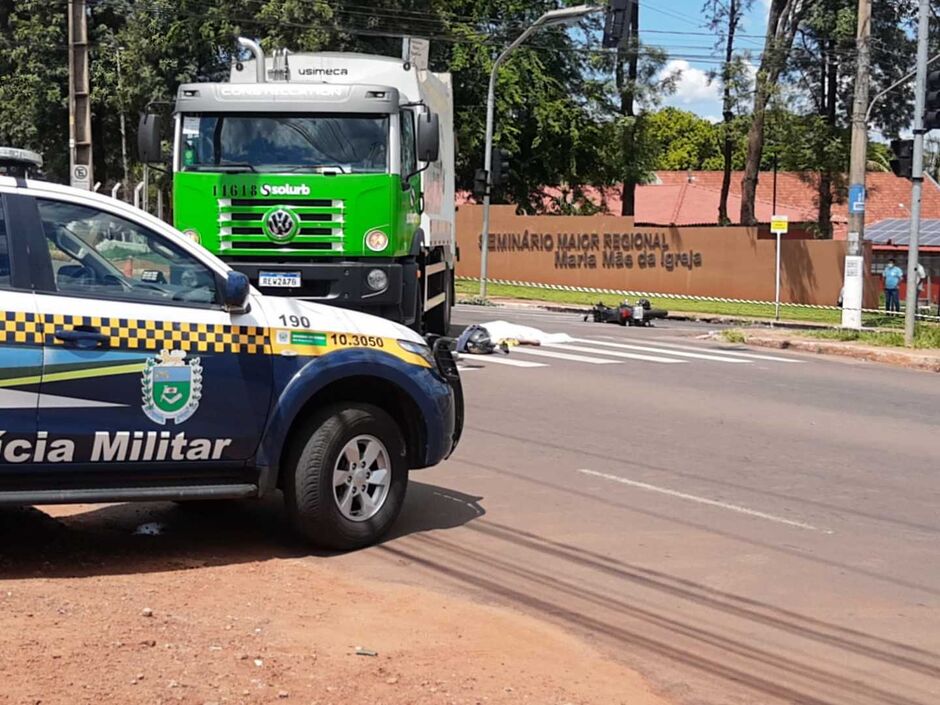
{"x": 553, "y": 17}
{"x": 127, "y": 178}
{"x": 917, "y": 172}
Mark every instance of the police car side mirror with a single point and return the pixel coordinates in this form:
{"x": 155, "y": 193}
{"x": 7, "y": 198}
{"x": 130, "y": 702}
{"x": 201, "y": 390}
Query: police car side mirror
{"x": 149, "y": 139}
{"x": 235, "y": 293}
{"x": 429, "y": 138}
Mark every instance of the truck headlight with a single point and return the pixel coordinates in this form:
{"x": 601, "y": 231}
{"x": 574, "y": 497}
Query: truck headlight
{"x": 376, "y": 240}
{"x": 192, "y": 235}
{"x": 377, "y": 280}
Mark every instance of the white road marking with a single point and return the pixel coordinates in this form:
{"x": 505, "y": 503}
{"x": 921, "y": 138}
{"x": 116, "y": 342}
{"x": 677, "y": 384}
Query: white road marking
{"x": 614, "y": 353}
{"x": 528, "y": 350}
{"x": 664, "y": 351}
{"x": 733, "y": 353}
{"x": 703, "y": 500}
{"x": 502, "y": 360}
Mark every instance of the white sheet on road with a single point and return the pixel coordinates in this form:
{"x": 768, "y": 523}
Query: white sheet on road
{"x": 504, "y": 330}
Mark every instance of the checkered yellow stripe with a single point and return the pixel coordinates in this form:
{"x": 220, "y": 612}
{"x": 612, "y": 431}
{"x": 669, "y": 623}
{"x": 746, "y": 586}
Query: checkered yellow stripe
{"x": 134, "y": 334}
{"x": 20, "y": 327}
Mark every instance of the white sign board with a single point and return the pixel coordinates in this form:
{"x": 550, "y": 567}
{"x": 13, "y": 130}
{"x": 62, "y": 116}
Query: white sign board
{"x": 779, "y": 224}
{"x": 419, "y": 52}
{"x": 852, "y": 292}
{"x": 81, "y": 177}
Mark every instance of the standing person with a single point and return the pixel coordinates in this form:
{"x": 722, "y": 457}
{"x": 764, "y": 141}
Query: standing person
{"x": 892, "y": 276}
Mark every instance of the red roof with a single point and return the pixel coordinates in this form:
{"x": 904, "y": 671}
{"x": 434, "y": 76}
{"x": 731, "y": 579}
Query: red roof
{"x": 691, "y": 198}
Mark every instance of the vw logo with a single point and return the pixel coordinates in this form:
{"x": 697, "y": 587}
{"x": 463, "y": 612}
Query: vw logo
{"x": 281, "y": 224}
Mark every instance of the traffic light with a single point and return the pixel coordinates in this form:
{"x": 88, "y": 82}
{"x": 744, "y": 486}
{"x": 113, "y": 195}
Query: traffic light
{"x": 616, "y": 23}
{"x": 499, "y": 166}
{"x": 932, "y": 101}
{"x": 479, "y": 183}
{"x": 903, "y": 162}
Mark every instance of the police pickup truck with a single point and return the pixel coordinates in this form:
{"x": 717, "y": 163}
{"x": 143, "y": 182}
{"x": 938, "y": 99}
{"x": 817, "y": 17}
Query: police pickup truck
{"x": 135, "y": 366}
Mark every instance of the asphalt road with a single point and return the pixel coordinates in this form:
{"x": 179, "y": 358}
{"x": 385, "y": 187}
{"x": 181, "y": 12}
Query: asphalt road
{"x": 743, "y": 526}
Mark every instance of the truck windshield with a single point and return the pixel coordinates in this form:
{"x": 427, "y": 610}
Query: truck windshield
{"x": 294, "y": 143}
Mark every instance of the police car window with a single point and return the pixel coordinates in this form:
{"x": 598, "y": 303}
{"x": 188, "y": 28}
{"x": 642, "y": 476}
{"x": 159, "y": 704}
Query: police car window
{"x": 4, "y": 253}
{"x": 95, "y": 253}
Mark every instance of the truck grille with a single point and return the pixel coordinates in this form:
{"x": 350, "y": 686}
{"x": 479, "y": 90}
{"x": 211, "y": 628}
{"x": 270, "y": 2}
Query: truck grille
{"x": 321, "y": 225}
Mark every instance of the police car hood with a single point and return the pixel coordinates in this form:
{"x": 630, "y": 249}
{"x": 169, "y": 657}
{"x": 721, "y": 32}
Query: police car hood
{"x": 294, "y": 313}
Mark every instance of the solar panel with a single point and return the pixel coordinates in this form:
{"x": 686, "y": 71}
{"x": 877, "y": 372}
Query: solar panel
{"x": 897, "y": 231}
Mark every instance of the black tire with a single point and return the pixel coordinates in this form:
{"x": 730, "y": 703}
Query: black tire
{"x": 308, "y": 481}
{"x": 438, "y": 318}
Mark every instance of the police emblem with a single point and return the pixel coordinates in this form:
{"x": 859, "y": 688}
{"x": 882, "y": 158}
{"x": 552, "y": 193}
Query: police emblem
{"x": 171, "y": 387}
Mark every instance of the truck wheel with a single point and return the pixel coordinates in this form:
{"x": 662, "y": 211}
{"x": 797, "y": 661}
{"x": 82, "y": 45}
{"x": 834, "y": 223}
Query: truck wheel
{"x": 347, "y": 477}
{"x": 438, "y": 318}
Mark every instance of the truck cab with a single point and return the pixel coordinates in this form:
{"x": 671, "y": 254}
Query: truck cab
{"x": 137, "y": 366}
{"x": 326, "y": 177}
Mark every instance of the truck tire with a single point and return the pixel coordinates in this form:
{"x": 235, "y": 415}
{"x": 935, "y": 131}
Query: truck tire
{"x": 346, "y": 479}
{"x": 438, "y": 318}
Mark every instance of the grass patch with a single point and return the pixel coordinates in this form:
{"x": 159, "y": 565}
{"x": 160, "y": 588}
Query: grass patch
{"x": 732, "y": 335}
{"x": 926, "y": 336}
{"x": 469, "y": 292}
{"x": 576, "y": 298}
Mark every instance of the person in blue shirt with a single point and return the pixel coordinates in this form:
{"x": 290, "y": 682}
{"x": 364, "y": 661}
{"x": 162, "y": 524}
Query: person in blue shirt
{"x": 892, "y": 276}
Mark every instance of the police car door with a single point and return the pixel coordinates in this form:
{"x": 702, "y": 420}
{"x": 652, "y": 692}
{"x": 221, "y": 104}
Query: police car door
{"x": 20, "y": 338}
{"x": 143, "y": 369}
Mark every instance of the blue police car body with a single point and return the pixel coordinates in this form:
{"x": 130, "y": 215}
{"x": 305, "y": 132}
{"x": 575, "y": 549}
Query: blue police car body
{"x": 134, "y": 365}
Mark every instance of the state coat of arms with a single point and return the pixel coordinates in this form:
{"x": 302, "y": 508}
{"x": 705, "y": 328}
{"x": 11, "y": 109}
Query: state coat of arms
{"x": 171, "y": 387}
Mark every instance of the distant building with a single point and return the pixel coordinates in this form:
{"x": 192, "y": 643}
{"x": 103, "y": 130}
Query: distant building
{"x": 691, "y": 198}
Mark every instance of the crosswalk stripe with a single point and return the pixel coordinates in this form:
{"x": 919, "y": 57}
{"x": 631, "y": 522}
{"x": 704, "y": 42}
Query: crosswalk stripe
{"x": 564, "y": 356}
{"x": 664, "y": 351}
{"x": 615, "y": 353}
{"x": 733, "y": 353}
{"x": 502, "y": 360}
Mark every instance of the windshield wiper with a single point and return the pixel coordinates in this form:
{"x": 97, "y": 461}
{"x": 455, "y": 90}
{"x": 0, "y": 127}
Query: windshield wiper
{"x": 230, "y": 166}
{"x": 314, "y": 167}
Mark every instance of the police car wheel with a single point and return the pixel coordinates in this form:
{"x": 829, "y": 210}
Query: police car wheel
{"x": 347, "y": 477}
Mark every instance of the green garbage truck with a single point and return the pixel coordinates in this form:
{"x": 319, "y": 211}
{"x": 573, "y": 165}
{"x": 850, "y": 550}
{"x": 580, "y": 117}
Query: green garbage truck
{"x": 327, "y": 177}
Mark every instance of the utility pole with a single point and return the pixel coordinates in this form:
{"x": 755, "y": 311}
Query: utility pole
{"x": 80, "y": 158}
{"x": 123, "y": 125}
{"x": 854, "y": 263}
{"x": 917, "y": 171}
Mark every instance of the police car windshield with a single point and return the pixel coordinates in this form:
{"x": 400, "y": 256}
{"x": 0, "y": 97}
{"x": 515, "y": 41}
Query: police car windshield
{"x": 286, "y": 143}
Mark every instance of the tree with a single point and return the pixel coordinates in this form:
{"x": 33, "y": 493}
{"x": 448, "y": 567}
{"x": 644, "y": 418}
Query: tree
{"x": 34, "y": 87}
{"x": 684, "y": 140}
{"x": 724, "y": 19}
{"x": 782, "y": 21}
{"x": 542, "y": 117}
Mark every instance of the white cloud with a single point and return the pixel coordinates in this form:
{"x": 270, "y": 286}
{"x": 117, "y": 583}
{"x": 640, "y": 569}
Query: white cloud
{"x": 693, "y": 85}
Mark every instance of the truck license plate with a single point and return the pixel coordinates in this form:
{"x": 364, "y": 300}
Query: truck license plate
{"x": 283, "y": 280}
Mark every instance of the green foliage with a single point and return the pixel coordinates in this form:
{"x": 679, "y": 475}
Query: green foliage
{"x": 34, "y": 71}
{"x": 562, "y": 112}
{"x": 926, "y": 336}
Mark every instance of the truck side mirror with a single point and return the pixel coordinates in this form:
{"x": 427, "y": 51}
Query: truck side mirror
{"x": 235, "y": 292}
{"x": 149, "y": 137}
{"x": 429, "y": 138}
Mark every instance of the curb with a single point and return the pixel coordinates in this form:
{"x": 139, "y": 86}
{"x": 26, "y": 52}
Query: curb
{"x": 679, "y": 316}
{"x": 898, "y": 358}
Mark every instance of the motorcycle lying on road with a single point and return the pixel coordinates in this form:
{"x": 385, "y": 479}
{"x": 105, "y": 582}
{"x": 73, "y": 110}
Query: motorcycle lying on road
{"x": 641, "y": 313}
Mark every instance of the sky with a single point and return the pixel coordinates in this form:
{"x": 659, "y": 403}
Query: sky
{"x": 680, "y": 27}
